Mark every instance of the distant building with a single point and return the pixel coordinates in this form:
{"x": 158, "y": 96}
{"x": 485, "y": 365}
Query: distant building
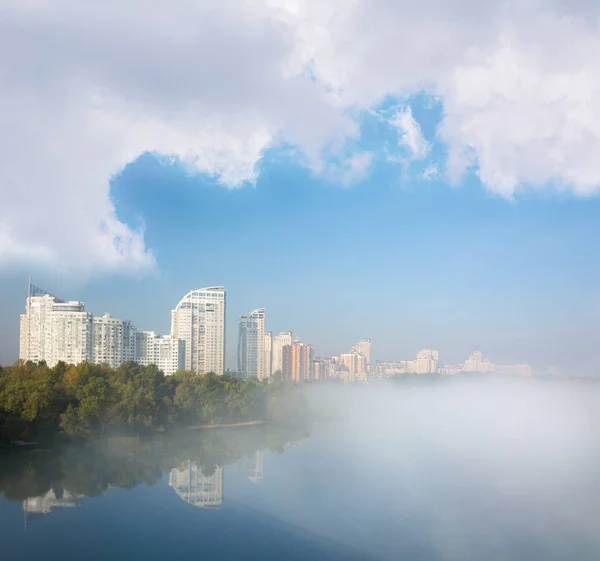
{"x": 450, "y": 369}
{"x": 298, "y": 361}
{"x": 319, "y": 369}
{"x": 199, "y": 319}
{"x": 251, "y": 345}
{"x": 392, "y": 368}
{"x": 279, "y": 341}
{"x": 268, "y": 354}
{"x": 517, "y": 369}
{"x": 350, "y": 361}
{"x": 476, "y": 363}
{"x": 363, "y": 347}
{"x": 426, "y": 362}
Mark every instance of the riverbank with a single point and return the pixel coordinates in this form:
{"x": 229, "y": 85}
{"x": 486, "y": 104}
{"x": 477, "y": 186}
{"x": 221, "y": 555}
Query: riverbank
{"x": 224, "y": 425}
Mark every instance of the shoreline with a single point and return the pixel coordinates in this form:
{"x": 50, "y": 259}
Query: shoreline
{"x": 224, "y": 425}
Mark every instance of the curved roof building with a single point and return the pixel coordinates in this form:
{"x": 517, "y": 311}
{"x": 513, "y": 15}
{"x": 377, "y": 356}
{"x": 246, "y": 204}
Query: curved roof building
{"x": 199, "y": 319}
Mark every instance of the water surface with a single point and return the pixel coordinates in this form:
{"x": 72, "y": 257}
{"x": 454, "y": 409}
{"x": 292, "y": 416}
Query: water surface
{"x": 426, "y": 474}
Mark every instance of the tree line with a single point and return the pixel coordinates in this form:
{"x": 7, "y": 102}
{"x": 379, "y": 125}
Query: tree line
{"x": 84, "y": 400}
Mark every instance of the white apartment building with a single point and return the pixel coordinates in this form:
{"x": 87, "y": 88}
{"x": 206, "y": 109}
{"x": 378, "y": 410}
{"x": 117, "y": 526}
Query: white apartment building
{"x": 284, "y": 339}
{"x": 199, "y": 319}
{"x": 53, "y": 330}
{"x": 166, "y": 352}
{"x": 114, "y": 340}
{"x": 33, "y": 326}
{"x": 69, "y": 334}
{"x": 251, "y": 345}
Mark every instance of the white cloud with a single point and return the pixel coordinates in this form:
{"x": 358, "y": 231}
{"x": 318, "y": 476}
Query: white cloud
{"x": 409, "y": 133}
{"x": 86, "y": 87}
{"x": 431, "y": 172}
{"x": 354, "y": 169}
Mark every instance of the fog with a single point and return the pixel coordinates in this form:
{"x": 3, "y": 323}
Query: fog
{"x": 457, "y": 469}
{"x": 440, "y": 469}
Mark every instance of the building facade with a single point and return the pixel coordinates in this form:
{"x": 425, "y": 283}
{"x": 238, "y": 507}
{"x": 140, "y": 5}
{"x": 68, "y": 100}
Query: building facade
{"x": 476, "y": 363}
{"x": 108, "y": 340}
{"x": 298, "y": 361}
{"x": 363, "y": 347}
{"x": 251, "y": 345}
{"x": 53, "y": 330}
{"x": 268, "y": 354}
{"x": 426, "y": 362}
{"x": 166, "y": 352}
{"x": 199, "y": 319}
{"x": 280, "y": 341}
{"x": 69, "y": 334}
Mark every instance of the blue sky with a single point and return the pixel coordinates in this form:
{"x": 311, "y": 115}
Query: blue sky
{"x": 406, "y": 261}
{"x": 421, "y": 174}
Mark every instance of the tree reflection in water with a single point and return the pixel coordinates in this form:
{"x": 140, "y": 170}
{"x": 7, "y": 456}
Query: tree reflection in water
{"x": 44, "y": 479}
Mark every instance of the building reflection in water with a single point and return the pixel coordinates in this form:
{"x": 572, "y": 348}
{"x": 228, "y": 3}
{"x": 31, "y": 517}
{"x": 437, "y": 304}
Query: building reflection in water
{"x": 45, "y": 503}
{"x": 195, "y": 488}
{"x": 252, "y": 466}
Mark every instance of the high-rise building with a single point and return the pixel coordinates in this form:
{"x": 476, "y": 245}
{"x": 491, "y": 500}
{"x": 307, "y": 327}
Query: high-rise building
{"x": 268, "y": 354}
{"x": 69, "y": 334}
{"x": 34, "y": 326}
{"x": 199, "y": 319}
{"x": 53, "y": 330}
{"x": 112, "y": 341}
{"x": 306, "y": 362}
{"x": 280, "y": 341}
{"x": 350, "y": 361}
{"x": 129, "y": 341}
{"x": 318, "y": 369}
{"x": 298, "y": 361}
{"x": 169, "y": 354}
{"x": 363, "y": 347}
{"x": 166, "y": 352}
{"x": 251, "y": 345}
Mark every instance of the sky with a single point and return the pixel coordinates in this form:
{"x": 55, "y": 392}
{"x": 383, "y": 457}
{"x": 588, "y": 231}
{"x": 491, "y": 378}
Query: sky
{"x": 423, "y": 175}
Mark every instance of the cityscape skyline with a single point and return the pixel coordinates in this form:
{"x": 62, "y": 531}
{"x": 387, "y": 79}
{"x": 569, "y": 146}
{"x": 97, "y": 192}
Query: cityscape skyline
{"x": 53, "y": 330}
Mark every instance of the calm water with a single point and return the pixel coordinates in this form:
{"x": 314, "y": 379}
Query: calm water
{"x": 425, "y": 475}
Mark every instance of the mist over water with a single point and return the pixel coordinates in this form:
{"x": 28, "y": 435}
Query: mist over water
{"x": 495, "y": 469}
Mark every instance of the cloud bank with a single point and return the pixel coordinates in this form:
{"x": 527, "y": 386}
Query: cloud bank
{"x": 86, "y": 87}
